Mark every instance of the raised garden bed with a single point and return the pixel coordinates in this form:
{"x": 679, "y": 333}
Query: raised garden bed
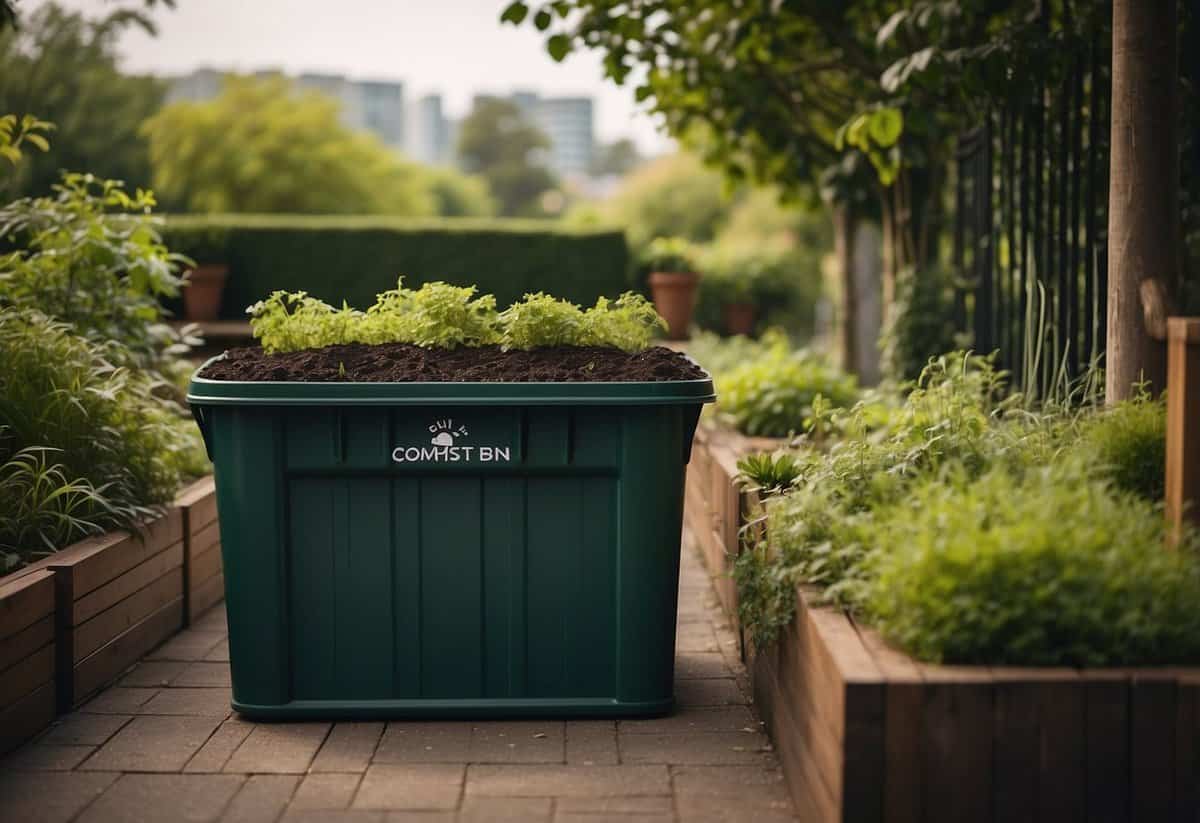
{"x": 27, "y": 700}
{"x": 865, "y": 733}
{"x": 204, "y": 578}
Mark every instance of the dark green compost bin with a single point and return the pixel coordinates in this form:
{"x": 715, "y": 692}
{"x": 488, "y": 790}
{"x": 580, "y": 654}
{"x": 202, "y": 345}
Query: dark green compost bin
{"x": 450, "y": 549}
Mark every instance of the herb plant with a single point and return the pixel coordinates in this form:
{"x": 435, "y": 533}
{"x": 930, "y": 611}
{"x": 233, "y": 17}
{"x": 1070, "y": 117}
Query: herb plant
{"x": 439, "y": 315}
{"x": 669, "y": 254}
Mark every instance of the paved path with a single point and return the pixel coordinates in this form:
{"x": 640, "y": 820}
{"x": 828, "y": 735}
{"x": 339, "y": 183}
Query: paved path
{"x": 162, "y": 745}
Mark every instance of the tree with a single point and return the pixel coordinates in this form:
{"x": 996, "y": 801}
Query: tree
{"x": 616, "y": 158}
{"x": 61, "y": 67}
{"x": 262, "y": 147}
{"x": 497, "y": 143}
{"x": 9, "y": 19}
{"x": 459, "y": 195}
{"x": 1143, "y": 212}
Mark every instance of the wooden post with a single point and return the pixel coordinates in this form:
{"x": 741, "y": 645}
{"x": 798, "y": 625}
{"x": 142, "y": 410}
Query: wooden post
{"x": 1183, "y": 423}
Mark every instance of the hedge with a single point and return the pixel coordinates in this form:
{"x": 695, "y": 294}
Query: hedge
{"x": 354, "y": 258}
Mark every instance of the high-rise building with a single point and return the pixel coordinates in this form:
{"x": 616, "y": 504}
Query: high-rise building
{"x": 569, "y": 124}
{"x": 383, "y": 110}
{"x": 201, "y": 84}
{"x": 429, "y": 132}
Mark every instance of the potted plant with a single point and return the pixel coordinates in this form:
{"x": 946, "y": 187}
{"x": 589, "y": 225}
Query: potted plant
{"x": 673, "y": 279}
{"x": 433, "y": 508}
{"x": 204, "y": 282}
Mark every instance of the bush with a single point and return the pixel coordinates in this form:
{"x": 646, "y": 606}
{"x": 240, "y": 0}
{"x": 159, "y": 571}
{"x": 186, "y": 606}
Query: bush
{"x": 777, "y": 281}
{"x": 1046, "y": 568}
{"x": 772, "y": 396}
{"x": 1129, "y": 444}
{"x": 669, "y": 254}
{"x": 73, "y": 425}
{"x": 355, "y": 258}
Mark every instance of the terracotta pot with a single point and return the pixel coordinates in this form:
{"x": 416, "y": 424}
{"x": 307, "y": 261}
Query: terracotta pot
{"x": 202, "y": 294}
{"x": 675, "y": 298}
{"x": 739, "y": 318}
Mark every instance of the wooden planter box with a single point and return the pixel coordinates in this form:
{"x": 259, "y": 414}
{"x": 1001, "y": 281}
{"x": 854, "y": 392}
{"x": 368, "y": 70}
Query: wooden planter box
{"x": 204, "y": 578}
{"x": 865, "y": 733}
{"x": 27, "y": 700}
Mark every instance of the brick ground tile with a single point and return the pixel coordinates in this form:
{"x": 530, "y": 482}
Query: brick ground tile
{"x": 344, "y": 816}
{"x": 45, "y": 757}
{"x": 84, "y": 729}
{"x": 566, "y": 781}
{"x": 592, "y": 742}
{"x": 263, "y": 797}
{"x": 217, "y": 750}
{"x": 203, "y": 674}
{"x": 190, "y": 702}
{"x": 731, "y": 793}
{"x": 348, "y": 748}
{"x": 219, "y": 653}
{"x": 153, "y": 744}
{"x": 213, "y": 620}
{"x": 694, "y": 720}
{"x": 333, "y": 790}
{"x": 528, "y": 741}
{"x": 716, "y": 748}
{"x": 506, "y": 810}
{"x": 695, "y": 637}
{"x": 49, "y": 797}
{"x": 187, "y": 646}
{"x": 710, "y": 692}
{"x": 691, "y": 665}
{"x": 278, "y": 748}
{"x": 163, "y": 798}
{"x": 424, "y": 743}
{"x": 634, "y": 817}
{"x": 416, "y": 786}
{"x": 615, "y": 805}
{"x": 153, "y": 673}
{"x": 118, "y": 700}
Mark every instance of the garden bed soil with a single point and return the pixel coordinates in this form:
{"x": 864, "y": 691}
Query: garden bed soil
{"x": 404, "y": 363}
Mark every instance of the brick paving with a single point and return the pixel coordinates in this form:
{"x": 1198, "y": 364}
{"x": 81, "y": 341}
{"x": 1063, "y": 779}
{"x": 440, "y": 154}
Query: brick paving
{"x": 162, "y": 745}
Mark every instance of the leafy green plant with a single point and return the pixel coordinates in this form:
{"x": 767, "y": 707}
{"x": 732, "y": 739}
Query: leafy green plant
{"x": 1046, "y": 568}
{"x": 1129, "y": 444}
{"x": 770, "y": 472}
{"x": 119, "y": 447}
{"x": 15, "y": 132}
{"x": 439, "y": 315}
{"x": 91, "y": 257}
{"x": 669, "y": 254}
{"x": 772, "y": 396}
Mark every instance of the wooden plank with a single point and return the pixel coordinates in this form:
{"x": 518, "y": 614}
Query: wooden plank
{"x": 1187, "y": 758}
{"x": 206, "y": 595}
{"x": 1183, "y": 423}
{"x": 1107, "y": 697}
{"x": 24, "y": 600}
{"x": 206, "y": 565}
{"x": 204, "y": 539}
{"x": 26, "y": 717}
{"x": 903, "y": 700}
{"x": 123, "y": 586}
{"x": 1152, "y": 746}
{"x": 956, "y": 732}
{"x": 26, "y": 642}
{"x": 29, "y": 674}
{"x": 198, "y": 502}
{"x": 93, "y": 562}
{"x": 105, "y": 665}
{"x": 115, "y": 621}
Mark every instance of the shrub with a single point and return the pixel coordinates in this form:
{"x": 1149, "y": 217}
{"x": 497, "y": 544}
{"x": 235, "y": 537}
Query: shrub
{"x": 669, "y": 254}
{"x": 115, "y": 446}
{"x": 439, "y": 315}
{"x": 1046, "y": 568}
{"x": 1129, "y": 444}
{"x": 772, "y": 396}
{"x": 355, "y": 258}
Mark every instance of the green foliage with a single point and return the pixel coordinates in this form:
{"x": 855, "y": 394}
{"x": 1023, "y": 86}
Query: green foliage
{"x": 293, "y": 156}
{"x": 1129, "y": 444}
{"x": 496, "y": 142}
{"x": 107, "y": 437}
{"x": 772, "y": 396}
{"x": 459, "y": 195}
{"x": 769, "y": 472}
{"x": 1046, "y": 568}
{"x": 92, "y": 257}
{"x": 62, "y": 67}
{"x": 439, "y": 315}
{"x": 15, "y": 132}
{"x": 355, "y": 258}
{"x": 920, "y": 322}
{"x": 669, "y": 254}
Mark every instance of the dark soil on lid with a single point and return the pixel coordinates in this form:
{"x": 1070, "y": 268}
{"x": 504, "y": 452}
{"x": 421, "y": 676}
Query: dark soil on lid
{"x": 404, "y": 363}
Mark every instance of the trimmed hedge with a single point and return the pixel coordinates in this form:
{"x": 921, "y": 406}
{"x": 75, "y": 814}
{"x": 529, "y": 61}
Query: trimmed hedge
{"x": 355, "y": 258}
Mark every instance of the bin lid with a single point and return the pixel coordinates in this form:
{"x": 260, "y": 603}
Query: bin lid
{"x": 204, "y": 391}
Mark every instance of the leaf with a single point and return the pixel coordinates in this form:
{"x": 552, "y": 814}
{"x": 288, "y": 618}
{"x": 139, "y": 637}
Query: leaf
{"x": 559, "y": 46}
{"x": 888, "y": 29}
{"x": 542, "y": 20}
{"x": 515, "y": 13}
{"x": 885, "y": 126}
{"x": 39, "y": 141}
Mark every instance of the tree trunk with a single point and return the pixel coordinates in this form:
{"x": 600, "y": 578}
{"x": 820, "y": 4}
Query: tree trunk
{"x": 1143, "y": 210}
{"x": 867, "y": 301}
{"x": 843, "y": 249}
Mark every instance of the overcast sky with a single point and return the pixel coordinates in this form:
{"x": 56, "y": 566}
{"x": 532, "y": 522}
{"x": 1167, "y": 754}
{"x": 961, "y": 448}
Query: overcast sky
{"x": 456, "y": 47}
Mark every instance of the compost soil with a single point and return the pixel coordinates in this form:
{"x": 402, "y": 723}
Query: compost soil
{"x": 404, "y": 363}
